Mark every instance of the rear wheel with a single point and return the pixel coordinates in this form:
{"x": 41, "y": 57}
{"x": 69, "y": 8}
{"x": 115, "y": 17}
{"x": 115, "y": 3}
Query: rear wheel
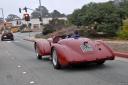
{"x": 55, "y": 60}
{"x": 12, "y": 39}
{"x": 2, "y": 39}
{"x": 37, "y": 53}
{"x": 100, "y": 62}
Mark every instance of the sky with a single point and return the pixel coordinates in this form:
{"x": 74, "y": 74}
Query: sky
{"x": 63, "y": 6}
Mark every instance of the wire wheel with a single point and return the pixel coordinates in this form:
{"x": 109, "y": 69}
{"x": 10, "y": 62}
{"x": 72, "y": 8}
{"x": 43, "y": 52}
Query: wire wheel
{"x": 55, "y": 60}
{"x": 37, "y": 53}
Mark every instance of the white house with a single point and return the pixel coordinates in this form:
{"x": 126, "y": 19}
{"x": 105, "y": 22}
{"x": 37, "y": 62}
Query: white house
{"x": 16, "y": 22}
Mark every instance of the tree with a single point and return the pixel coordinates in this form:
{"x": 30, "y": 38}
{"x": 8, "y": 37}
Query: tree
{"x": 107, "y": 16}
{"x": 123, "y": 34}
{"x": 41, "y": 10}
{"x": 35, "y": 14}
{"x": 56, "y": 14}
{"x": 12, "y": 17}
{"x": 75, "y": 18}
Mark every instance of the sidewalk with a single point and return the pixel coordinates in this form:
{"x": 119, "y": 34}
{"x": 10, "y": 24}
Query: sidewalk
{"x": 120, "y": 47}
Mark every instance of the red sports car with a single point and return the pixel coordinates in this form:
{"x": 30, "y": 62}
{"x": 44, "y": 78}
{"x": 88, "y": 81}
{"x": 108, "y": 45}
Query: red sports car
{"x": 73, "y": 51}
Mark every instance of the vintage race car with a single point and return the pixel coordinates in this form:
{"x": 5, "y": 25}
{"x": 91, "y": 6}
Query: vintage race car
{"x": 73, "y": 51}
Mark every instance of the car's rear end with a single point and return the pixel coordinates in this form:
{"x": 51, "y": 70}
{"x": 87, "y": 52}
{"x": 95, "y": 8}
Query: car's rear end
{"x": 85, "y": 50}
{"x": 7, "y": 36}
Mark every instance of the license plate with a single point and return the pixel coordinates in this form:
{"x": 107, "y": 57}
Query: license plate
{"x": 86, "y": 48}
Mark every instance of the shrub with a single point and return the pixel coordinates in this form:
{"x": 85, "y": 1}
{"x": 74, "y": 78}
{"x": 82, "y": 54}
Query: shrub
{"x": 107, "y": 28}
{"x": 123, "y": 35}
{"x": 48, "y": 29}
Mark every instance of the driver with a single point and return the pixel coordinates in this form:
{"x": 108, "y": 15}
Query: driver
{"x": 58, "y": 37}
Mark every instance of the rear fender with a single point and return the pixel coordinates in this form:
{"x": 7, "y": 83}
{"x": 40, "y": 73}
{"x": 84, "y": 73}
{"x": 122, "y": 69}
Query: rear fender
{"x": 43, "y": 46}
{"x": 107, "y": 47}
{"x": 65, "y": 54}
{"x": 61, "y": 57}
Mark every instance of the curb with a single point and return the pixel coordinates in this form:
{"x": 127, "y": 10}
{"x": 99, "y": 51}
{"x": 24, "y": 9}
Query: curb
{"x": 31, "y": 39}
{"x": 121, "y": 54}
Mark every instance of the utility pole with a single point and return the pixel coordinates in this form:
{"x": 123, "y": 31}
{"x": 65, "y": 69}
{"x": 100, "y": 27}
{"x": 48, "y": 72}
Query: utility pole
{"x": 40, "y": 8}
{"x": 39, "y": 2}
{"x": 41, "y": 16}
{"x": 2, "y": 14}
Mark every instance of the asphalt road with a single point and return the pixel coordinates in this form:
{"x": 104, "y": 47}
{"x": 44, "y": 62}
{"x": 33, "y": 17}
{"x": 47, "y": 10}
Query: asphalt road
{"x": 19, "y": 66}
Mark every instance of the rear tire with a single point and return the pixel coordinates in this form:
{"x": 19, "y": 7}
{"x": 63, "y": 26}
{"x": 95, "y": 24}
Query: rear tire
{"x": 12, "y": 39}
{"x": 39, "y": 57}
{"x": 100, "y": 62}
{"x": 55, "y": 61}
{"x": 2, "y": 39}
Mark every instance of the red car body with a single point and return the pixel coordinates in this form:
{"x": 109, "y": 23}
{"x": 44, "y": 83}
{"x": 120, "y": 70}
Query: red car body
{"x": 74, "y": 51}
